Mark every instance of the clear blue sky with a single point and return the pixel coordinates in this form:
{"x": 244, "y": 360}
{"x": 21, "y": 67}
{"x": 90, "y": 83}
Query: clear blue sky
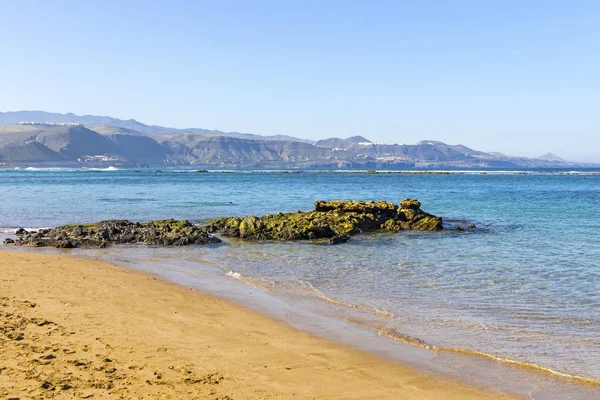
{"x": 520, "y": 77}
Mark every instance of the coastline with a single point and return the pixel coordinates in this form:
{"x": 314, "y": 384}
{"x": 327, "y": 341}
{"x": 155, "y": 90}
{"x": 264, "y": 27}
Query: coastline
{"x": 99, "y": 329}
{"x": 110, "y": 168}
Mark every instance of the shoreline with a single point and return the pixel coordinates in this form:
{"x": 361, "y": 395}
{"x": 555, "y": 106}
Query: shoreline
{"x": 471, "y": 367}
{"x": 465, "y": 170}
{"x": 165, "y": 339}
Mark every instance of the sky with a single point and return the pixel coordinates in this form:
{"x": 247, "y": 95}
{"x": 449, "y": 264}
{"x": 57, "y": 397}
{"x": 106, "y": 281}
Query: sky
{"x": 517, "y": 77}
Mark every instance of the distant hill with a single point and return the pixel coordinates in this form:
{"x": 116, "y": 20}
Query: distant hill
{"x": 334, "y": 143}
{"x": 14, "y": 117}
{"x": 89, "y": 140}
{"x": 76, "y": 144}
{"x": 358, "y": 139}
{"x": 33, "y": 152}
{"x": 551, "y": 157}
{"x": 345, "y": 144}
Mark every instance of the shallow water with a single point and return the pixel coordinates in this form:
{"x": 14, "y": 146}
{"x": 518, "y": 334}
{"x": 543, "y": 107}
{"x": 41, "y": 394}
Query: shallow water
{"x": 523, "y": 286}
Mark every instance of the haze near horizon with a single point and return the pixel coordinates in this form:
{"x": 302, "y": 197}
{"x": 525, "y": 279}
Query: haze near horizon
{"x": 516, "y": 78}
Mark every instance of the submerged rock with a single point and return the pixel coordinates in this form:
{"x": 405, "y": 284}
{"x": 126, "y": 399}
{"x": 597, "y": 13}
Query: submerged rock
{"x": 334, "y": 220}
{"x": 463, "y": 228}
{"x": 101, "y": 234}
{"x": 339, "y": 239}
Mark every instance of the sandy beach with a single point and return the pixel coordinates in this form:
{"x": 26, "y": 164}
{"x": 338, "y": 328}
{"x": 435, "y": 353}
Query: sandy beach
{"x": 78, "y": 328}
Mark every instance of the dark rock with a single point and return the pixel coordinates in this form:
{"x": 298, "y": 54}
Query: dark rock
{"x": 335, "y": 220}
{"x": 21, "y": 232}
{"x": 350, "y": 206}
{"x": 339, "y": 239}
{"x": 410, "y": 204}
{"x": 9, "y": 241}
{"x": 128, "y": 238}
{"x": 102, "y": 234}
{"x": 78, "y": 231}
{"x": 64, "y": 244}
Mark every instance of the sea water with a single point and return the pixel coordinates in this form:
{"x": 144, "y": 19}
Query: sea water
{"x": 523, "y": 287}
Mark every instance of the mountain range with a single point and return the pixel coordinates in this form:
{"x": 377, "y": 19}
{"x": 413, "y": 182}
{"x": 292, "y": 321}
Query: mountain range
{"x": 37, "y": 137}
{"x": 14, "y": 117}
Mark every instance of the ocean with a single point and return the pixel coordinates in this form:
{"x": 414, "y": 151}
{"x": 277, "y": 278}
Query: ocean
{"x": 523, "y": 288}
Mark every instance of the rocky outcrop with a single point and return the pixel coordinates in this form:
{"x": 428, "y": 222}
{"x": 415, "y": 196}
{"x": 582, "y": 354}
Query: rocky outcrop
{"x": 334, "y": 220}
{"x": 101, "y": 234}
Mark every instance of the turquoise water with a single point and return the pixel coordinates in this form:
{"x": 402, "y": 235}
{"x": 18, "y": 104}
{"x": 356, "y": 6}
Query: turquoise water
{"x": 523, "y": 286}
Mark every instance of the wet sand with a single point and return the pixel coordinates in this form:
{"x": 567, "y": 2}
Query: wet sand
{"x": 79, "y": 328}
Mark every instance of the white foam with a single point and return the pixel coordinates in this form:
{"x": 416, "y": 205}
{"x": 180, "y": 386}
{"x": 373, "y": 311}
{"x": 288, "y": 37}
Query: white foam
{"x": 234, "y": 275}
{"x": 47, "y": 169}
{"x": 64, "y": 169}
{"x": 111, "y": 168}
{"x": 12, "y": 230}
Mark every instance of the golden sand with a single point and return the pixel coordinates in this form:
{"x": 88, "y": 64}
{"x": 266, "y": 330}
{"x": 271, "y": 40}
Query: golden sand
{"x": 78, "y": 328}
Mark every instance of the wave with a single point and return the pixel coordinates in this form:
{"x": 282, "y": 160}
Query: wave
{"x": 389, "y": 172}
{"x": 12, "y": 230}
{"x": 47, "y": 169}
{"x": 306, "y": 289}
{"x": 594, "y": 172}
{"x": 234, "y": 275}
{"x": 103, "y": 169}
{"x": 64, "y": 169}
{"x": 394, "y": 334}
{"x": 131, "y": 200}
{"x": 477, "y": 172}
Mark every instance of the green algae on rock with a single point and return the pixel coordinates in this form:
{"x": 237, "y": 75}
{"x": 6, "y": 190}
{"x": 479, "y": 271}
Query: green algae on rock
{"x": 334, "y": 220}
{"x": 101, "y": 234}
